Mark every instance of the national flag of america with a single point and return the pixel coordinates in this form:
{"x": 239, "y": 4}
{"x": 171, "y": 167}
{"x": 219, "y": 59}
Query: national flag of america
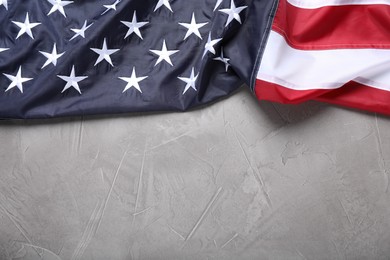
{"x": 63, "y": 58}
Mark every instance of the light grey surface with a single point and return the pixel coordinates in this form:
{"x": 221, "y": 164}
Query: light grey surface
{"x": 233, "y": 180}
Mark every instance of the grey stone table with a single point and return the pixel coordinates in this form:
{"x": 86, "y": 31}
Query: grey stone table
{"x": 233, "y": 180}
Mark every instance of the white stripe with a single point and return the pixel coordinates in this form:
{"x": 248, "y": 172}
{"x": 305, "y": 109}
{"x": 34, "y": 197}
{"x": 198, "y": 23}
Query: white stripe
{"x": 323, "y": 69}
{"x": 311, "y": 4}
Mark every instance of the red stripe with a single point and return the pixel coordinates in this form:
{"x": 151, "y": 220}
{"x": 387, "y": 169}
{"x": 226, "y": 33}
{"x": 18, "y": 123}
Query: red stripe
{"x": 274, "y": 92}
{"x": 352, "y": 94}
{"x": 359, "y": 96}
{"x": 334, "y": 27}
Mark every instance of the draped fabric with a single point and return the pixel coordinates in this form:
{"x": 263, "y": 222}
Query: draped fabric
{"x": 333, "y": 51}
{"x": 66, "y": 58}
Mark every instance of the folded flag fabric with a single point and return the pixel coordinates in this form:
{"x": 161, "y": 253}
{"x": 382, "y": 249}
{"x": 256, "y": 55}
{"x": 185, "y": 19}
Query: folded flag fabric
{"x": 336, "y": 51}
{"x": 66, "y": 58}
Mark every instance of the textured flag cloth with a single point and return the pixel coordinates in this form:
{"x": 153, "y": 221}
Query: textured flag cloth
{"x": 63, "y": 58}
{"x": 336, "y": 51}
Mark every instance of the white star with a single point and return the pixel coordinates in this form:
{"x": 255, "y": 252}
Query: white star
{"x": 26, "y": 27}
{"x": 190, "y": 81}
{"x": 58, "y": 5}
{"x": 109, "y": 7}
{"x": 72, "y": 80}
{"x": 51, "y": 57}
{"x": 134, "y": 26}
{"x": 3, "y": 49}
{"x": 5, "y": 3}
{"x": 133, "y": 81}
{"x": 164, "y": 54}
{"x": 104, "y": 53}
{"x": 224, "y": 60}
{"x": 161, "y": 3}
{"x": 233, "y": 12}
{"x": 193, "y": 27}
{"x": 17, "y": 80}
{"x": 210, "y": 45}
{"x": 81, "y": 31}
{"x": 217, "y": 4}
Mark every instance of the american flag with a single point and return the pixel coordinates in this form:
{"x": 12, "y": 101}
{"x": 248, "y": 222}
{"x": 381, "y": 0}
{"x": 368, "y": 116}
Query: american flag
{"x": 65, "y": 58}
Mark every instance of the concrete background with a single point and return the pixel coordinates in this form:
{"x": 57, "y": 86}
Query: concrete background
{"x": 234, "y": 180}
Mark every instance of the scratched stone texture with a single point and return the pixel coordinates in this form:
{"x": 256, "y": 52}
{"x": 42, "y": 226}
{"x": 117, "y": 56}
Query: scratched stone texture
{"x": 233, "y": 180}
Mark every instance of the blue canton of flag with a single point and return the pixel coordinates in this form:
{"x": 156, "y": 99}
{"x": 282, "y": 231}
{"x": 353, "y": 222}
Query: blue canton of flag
{"x": 63, "y": 58}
